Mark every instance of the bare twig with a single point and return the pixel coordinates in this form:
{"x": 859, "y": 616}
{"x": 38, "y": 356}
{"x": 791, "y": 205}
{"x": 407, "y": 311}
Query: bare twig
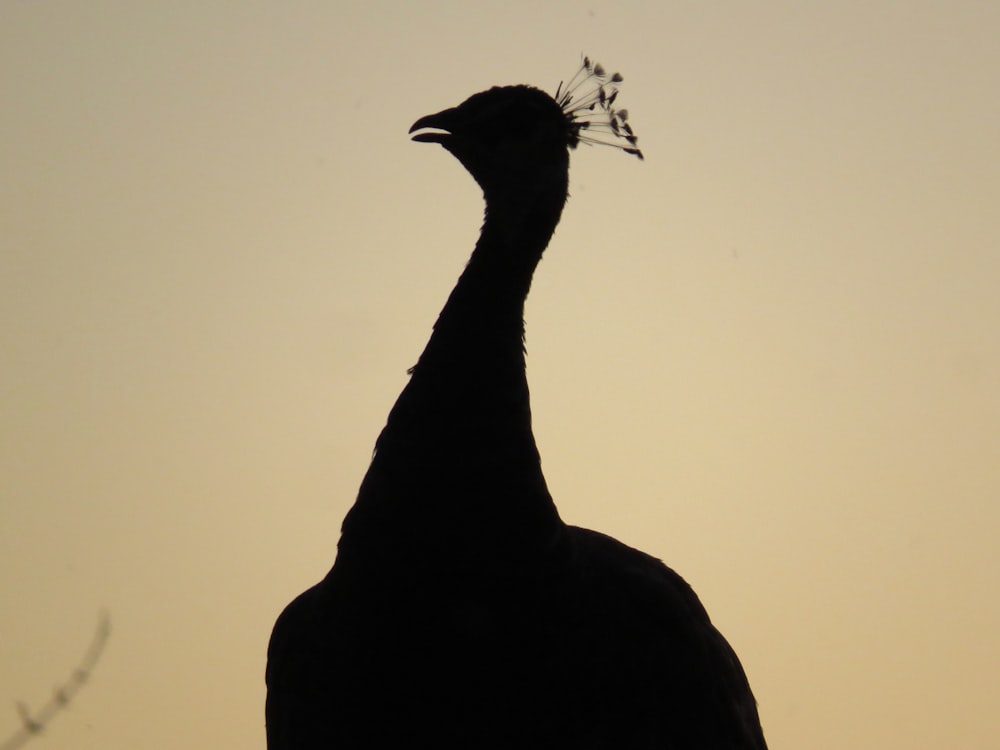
{"x": 33, "y": 723}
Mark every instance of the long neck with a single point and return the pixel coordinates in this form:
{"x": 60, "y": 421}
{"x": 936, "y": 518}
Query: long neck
{"x": 456, "y": 468}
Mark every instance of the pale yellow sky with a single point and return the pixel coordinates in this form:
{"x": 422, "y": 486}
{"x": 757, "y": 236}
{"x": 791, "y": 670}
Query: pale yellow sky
{"x": 769, "y": 354}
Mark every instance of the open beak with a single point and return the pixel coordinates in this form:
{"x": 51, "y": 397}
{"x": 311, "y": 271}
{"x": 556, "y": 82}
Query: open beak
{"x": 441, "y": 125}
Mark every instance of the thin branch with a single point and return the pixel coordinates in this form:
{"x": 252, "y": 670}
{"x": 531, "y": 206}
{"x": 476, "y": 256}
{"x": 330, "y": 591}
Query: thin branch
{"x": 34, "y": 723}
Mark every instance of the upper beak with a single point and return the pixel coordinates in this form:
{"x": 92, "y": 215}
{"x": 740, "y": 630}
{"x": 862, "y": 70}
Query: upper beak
{"x": 442, "y": 121}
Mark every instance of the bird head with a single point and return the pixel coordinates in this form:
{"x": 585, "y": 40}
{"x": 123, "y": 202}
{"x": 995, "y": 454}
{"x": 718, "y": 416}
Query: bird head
{"x": 512, "y": 138}
{"x": 508, "y": 138}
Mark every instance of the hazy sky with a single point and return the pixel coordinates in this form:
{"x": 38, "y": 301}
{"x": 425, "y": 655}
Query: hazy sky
{"x": 769, "y": 354}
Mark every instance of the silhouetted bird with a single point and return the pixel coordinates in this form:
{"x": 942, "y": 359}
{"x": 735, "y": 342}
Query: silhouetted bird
{"x": 461, "y": 611}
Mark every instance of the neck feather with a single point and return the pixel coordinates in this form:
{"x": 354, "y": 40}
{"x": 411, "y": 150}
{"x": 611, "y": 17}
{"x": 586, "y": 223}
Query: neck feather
{"x": 456, "y": 465}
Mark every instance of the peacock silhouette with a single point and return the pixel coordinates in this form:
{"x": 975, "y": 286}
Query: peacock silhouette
{"x": 461, "y": 611}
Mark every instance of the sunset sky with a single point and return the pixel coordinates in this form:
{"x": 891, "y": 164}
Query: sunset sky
{"x": 769, "y": 354}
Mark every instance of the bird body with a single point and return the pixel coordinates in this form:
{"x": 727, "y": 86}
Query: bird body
{"x": 461, "y": 612}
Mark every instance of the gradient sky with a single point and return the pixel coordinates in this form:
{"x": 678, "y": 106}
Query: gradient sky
{"x": 769, "y": 354}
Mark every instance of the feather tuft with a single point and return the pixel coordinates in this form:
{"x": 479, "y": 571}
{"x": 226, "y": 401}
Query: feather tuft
{"x": 588, "y": 103}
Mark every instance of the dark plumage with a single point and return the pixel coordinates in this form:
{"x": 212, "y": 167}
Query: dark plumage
{"x": 461, "y": 611}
